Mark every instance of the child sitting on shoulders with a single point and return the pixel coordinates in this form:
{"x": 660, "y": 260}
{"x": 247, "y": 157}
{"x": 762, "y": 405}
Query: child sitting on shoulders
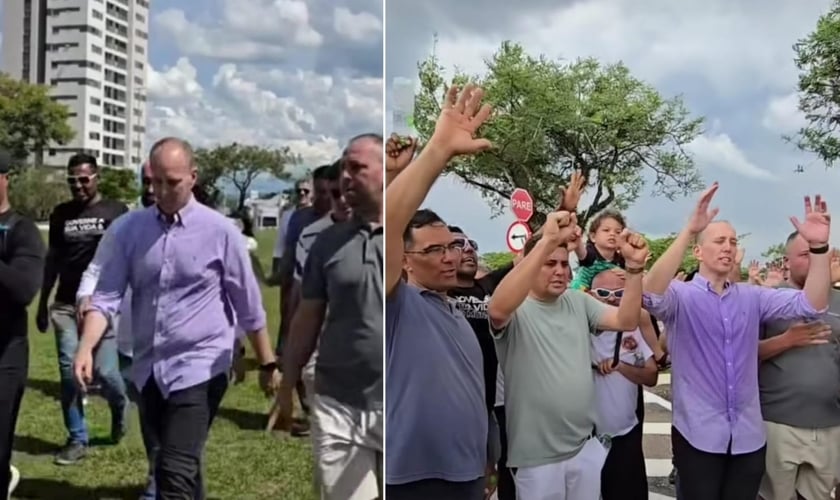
{"x": 601, "y": 250}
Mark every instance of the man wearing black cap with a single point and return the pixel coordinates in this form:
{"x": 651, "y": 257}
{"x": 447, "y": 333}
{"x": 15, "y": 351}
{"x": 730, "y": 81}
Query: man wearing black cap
{"x": 21, "y": 265}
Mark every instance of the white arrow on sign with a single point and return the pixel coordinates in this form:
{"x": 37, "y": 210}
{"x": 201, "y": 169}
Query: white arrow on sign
{"x": 517, "y": 234}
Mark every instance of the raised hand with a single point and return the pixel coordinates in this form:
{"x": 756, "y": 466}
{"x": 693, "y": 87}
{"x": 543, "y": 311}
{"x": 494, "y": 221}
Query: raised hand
{"x": 399, "y": 152}
{"x": 575, "y": 240}
{"x": 754, "y": 272}
{"x": 633, "y": 248}
{"x": 702, "y": 214}
{"x": 815, "y": 228}
{"x": 570, "y": 195}
{"x": 459, "y": 120}
{"x": 559, "y": 227}
{"x": 835, "y": 266}
{"x": 775, "y": 276}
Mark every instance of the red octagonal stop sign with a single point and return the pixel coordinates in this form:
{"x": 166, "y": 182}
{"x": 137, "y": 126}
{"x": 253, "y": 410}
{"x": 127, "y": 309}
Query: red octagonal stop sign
{"x": 522, "y": 204}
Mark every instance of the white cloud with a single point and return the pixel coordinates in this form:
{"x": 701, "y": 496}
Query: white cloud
{"x": 356, "y": 27}
{"x": 719, "y": 151}
{"x": 732, "y": 62}
{"x": 783, "y": 114}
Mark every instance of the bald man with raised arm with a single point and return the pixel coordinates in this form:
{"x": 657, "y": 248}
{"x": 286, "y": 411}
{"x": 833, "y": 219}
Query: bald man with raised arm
{"x": 713, "y": 326}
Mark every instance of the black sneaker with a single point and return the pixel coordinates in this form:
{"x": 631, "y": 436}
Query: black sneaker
{"x": 672, "y": 477}
{"x": 71, "y": 454}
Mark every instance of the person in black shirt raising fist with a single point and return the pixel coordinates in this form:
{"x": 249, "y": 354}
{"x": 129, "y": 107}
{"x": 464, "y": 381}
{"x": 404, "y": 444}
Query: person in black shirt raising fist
{"x": 75, "y": 230}
{"x": 21, "y": 264}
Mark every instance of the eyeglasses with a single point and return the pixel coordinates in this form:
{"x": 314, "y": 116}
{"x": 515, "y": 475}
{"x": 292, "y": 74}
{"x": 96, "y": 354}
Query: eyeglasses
{"x": 468, "y": 244}
{"x": 82, "y": 180}
{"x": 456, "y": 246}
{"x": 603, "y": 293}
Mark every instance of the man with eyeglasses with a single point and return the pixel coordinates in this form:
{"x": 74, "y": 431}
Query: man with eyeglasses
{"x": 75, "y": 229}
{"x": 438, "y": 422}
{"x": 622, "y": 362}
{"x": 21, "y": 265}
{"x": 299, "y": 220}
{"x": 472, "y": 295}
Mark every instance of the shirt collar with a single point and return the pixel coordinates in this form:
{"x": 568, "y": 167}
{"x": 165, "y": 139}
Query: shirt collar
{"x": 181, "y": 217}
{"x": 705, "y": 284}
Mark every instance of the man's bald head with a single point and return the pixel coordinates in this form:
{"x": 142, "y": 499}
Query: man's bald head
{"x": 609, "y": 279}
{"x": 716, "y": 248}
{"x": 172, "y": 152}
{"x": 173, "y": 173}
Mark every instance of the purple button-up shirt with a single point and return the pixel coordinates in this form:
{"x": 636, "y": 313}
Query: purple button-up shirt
{"x": 713, "y": 342}
{"x": 190, "y": 280}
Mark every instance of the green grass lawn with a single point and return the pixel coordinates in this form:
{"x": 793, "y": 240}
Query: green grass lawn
{"x": 241, "y": 460}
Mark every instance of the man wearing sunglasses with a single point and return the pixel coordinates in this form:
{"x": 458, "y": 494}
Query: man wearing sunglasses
{"x": 472, "y": 296}
{"x": 623, "y": 362}
{"x": 340, "y": 212}
{"x": 299, "y": 220}
{"x": 76, "y": 227}
{"x": 21, "y": 265}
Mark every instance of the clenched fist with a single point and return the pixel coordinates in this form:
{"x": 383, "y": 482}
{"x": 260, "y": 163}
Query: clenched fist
{"x": 633, "y": 248}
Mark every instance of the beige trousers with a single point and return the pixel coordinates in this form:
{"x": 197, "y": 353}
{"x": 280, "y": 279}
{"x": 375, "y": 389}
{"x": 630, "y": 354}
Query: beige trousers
{"x": 347, "y": 444}
{"x": 806, "y": 461}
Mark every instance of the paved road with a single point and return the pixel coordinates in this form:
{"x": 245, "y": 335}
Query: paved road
{"x": 657, "y": 438}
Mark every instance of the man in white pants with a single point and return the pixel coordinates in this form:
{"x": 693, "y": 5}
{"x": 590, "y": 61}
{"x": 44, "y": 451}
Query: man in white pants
{"x": 542, "y": 337}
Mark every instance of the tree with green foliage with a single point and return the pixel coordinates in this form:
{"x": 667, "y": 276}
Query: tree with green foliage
{"x": 29, "y": 120}
{"x": 658, "y": 246}
{"x": 34, "y": 192}
{"x": 552, "y": 118}
{"x": 497, "y": 260}
{"x": 240, "y": 165}
{"x": 818, "y": 60}
{"x": 119, "y": 184}
{"x": 775, "y": 252}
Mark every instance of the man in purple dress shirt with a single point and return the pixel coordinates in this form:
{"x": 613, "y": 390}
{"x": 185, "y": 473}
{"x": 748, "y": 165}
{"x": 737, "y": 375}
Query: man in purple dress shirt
{"x": 190, "y": 275}
{"x": 718, "y": 434}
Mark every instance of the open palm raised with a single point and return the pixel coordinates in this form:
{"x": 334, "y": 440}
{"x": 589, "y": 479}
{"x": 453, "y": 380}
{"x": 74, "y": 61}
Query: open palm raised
{"x": 459, "y": 120}
{"x": 815, "y": 229}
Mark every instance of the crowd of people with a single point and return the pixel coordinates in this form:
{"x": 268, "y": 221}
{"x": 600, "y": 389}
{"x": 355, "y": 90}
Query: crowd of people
{"x": 527, "y": 381}
{"x": 151, "y": 306}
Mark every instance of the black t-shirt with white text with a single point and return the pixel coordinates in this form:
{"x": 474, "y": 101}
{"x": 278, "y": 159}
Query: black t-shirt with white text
{"x": 472, "y": 302}
{"x": 75, "y": 231}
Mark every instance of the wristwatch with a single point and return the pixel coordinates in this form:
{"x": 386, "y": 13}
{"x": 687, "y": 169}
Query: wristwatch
{"x": 269, "y": 367}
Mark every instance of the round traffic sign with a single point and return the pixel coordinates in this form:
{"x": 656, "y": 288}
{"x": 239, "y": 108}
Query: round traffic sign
{"x": 517, "y": 234}
{"x": 522, "y": 204}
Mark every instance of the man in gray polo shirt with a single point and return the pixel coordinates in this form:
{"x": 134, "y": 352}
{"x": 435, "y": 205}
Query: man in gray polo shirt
{"x": 437, "y": 418}
{"x": 342, "y": 292}
{"x": 542, "y": 337}
{"x": 799, "y": 384}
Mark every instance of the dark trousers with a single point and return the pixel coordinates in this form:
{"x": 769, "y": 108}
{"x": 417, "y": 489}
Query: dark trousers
{"x": 721, "y": 476}
{"x": 624, "y": 476}
{"x": 436, "y": 489}
{"x": 14, "y": 365}
{"x": 506, "y": 488}
{"x": 180, "y": 424}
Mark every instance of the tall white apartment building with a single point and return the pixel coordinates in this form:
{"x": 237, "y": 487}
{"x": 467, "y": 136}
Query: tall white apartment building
{"x": 93, "y": 54}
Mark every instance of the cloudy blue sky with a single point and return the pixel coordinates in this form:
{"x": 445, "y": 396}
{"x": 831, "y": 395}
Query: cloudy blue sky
{"x": 307, "y": 74}
{"x": 731, "y": 60}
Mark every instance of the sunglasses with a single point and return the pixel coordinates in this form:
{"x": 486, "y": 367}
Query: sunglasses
{"x": 82, "y": 180}
{"x": 303, "y": 192}
{"x": 603, "y": 293}
{"x": 468, "y": 244}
